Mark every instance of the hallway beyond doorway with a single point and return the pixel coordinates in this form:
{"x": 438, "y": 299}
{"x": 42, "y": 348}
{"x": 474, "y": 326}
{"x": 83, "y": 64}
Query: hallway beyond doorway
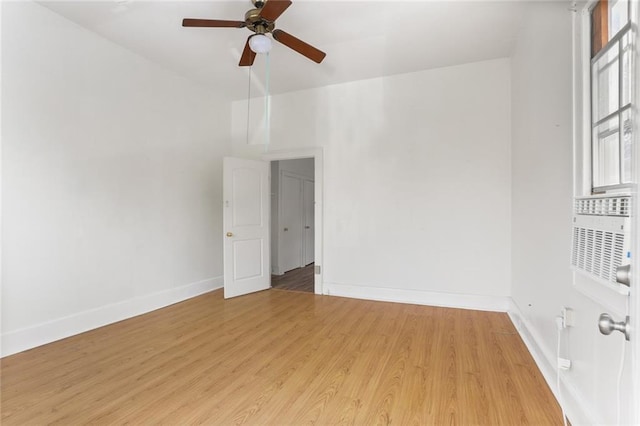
{"x": 300, "y": 279}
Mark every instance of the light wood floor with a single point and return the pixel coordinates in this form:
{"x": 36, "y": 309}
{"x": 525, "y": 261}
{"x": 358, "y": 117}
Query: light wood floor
{"x": 300, "y": 279}
{"x": 283, "y": 358}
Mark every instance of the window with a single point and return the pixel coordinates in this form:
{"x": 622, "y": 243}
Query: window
{"x": 612, "y": 92}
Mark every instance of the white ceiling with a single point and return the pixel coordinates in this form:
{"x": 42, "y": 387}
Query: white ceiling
{"x": 362, "y": 39}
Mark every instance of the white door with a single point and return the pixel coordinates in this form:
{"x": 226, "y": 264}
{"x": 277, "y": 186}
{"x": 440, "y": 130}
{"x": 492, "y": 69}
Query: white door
{"x": 309, "y": 220}
{"x": 246, "y": 226}
{"x": 290, "y": 253}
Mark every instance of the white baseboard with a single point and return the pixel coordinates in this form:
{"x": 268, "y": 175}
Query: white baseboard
{"x": 417, "y": 297}
{"x": 575, "y": 406}
{"x": 31, "y": 337}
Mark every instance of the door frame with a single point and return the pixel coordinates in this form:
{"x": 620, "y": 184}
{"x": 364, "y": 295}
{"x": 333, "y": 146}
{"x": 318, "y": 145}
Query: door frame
{"x": 316, "y": 154}
{"x": 634, "y": 297}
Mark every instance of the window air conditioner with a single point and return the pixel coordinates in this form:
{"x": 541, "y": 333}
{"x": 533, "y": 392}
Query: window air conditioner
{"x": 602, "y": 239}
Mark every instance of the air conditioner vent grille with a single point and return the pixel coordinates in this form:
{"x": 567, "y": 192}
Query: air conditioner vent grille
{"x": 598, "y": 252}
{"x": 604, "y": 206}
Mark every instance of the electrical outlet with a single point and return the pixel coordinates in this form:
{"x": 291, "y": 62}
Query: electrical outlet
{"x": 567, "y": 317}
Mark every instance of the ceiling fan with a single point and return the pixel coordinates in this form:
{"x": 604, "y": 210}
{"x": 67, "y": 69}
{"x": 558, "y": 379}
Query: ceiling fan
{"x": 261, "y": 21}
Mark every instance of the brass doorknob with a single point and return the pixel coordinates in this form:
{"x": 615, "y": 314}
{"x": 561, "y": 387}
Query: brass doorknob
{"x": 229, "y": 234}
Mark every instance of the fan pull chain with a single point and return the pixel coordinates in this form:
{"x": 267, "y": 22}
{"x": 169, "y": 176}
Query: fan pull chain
{"x": 267, "y": 118}
{"x": 249, "y": 104}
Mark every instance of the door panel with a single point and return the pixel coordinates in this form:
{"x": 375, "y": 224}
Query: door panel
{"x": 247, "y": 257}
{"x": 246, "y": 226}
{"x": 309, "y": 220}
{"x": 246, "y": 186}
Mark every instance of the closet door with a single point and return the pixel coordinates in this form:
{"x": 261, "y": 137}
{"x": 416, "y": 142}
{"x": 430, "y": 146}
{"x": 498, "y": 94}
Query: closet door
{"x": 291, "y": 223}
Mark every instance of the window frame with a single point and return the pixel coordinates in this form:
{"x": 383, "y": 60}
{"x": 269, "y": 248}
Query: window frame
{"x": 590, "y": 123}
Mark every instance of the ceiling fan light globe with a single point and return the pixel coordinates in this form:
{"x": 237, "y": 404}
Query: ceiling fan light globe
{"x": 260, "y": 43}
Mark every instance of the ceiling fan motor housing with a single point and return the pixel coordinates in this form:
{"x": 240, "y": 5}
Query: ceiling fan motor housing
{"x": 257, "y": 23}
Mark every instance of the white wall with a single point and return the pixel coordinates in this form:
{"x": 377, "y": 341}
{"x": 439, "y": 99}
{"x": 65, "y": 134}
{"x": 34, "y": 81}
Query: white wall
{"x": 111, "y": 174}
{"x": 541, "y": 233}
{"x": 417, "y": 181}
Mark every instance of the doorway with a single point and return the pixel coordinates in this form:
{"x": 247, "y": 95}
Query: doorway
{"x": 293, "y": 224}
{"x": 246, "y": 221}
{"x": 317, "y": 155}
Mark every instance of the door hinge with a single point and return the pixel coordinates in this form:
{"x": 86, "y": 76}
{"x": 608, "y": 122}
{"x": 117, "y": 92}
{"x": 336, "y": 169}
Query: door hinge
{"x": 317, "y": 269}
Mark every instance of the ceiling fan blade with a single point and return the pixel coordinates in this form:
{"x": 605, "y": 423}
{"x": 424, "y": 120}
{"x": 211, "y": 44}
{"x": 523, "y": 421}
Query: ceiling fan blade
{"x": 298, "y": 45}
{"x": 274, "y": 8}
{"x": 248, "y": 55}
{"x": 189, "y": 22}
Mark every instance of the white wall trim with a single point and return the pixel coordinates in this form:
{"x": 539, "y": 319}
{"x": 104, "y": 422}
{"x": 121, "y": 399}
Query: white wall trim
{"x": 418, "y": 297}
{"x": 31, "y": 337}
{"x": 575, "y": 406}
{"x": 291, "y": 154}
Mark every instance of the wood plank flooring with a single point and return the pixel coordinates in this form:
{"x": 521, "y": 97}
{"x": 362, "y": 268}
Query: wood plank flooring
{"x": 300, "y": 279}
{"x": 283, "y": 358}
